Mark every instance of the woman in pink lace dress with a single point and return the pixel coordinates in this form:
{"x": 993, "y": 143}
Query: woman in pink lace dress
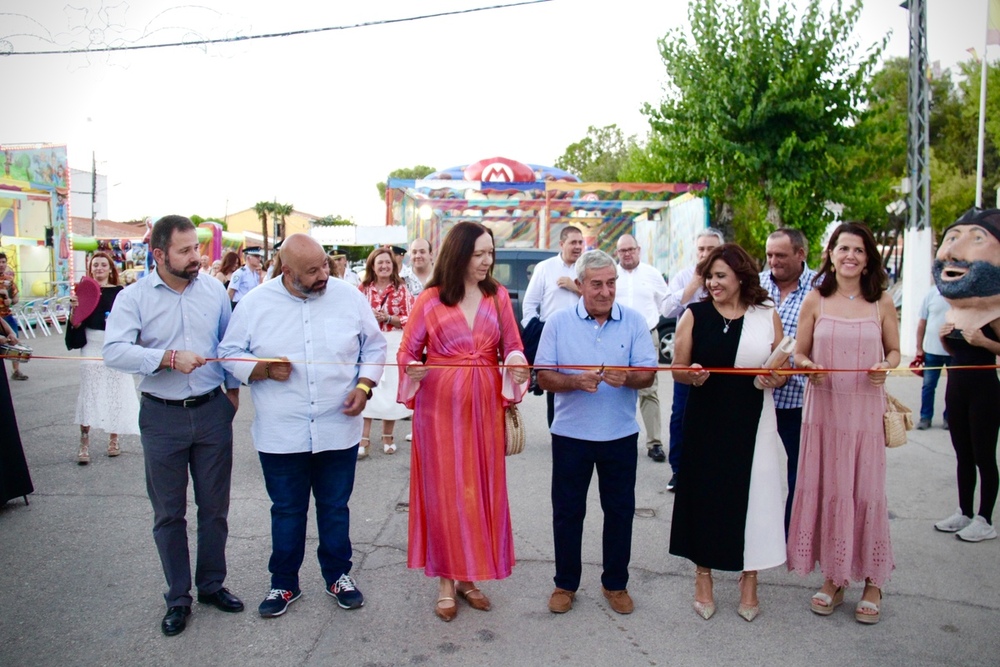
{"x": 840, "y": 516}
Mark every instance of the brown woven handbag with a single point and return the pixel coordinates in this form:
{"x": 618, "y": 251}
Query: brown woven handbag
{"x": 514, "y": 434}
{"x": 898, "y": 419}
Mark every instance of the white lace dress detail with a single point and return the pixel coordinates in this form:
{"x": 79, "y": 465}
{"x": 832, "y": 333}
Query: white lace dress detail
{"x": 107, "y": 398}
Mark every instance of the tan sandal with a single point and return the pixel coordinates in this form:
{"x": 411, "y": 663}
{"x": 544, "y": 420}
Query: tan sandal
{"x": 867, "y": 612}
{"x": 746, "y": 611}
{"x": 823, "y": 604}
{"x": 363, "y": 448}
{"x": 83, "y": 454}
{"x": 388, "y": 447}
{"x": 113, "y": 448}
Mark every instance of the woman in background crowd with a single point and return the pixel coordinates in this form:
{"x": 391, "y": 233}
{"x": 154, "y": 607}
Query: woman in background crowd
{"x": 107, "y": 398}
{"x": 391, "y": 303}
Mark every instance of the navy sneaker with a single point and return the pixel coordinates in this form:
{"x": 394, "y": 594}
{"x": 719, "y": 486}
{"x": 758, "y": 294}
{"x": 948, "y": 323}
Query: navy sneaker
{"x": 277, "y": 601}
{"x": 672, "y": 484}
{"x": 347, "y": 593}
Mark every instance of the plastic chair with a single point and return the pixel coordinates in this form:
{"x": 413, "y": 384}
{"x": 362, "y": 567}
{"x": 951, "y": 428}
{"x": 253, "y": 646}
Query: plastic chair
{"x": 33, "y": 310}
{"x": 23, "y": 323}
{"x": 48, "y": 308}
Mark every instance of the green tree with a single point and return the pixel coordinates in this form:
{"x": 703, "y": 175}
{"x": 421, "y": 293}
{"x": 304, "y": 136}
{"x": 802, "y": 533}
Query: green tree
{"x": 333, "y": 221}
{"x": 600, "y": 156}
{"x": 405, "y": 172}
{"x": 281, "y": 211}
{"x": 762, "y": 105}
{"x": 263, "y": 209}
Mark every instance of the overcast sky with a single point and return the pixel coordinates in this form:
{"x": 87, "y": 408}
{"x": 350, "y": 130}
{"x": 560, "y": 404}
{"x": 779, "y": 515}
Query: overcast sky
{"x": 316, "y": 120}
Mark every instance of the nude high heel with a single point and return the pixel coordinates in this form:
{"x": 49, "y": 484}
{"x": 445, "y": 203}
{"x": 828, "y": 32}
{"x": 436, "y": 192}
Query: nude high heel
{"x": 748, "y": 612}
{"x": 705, "y": 609}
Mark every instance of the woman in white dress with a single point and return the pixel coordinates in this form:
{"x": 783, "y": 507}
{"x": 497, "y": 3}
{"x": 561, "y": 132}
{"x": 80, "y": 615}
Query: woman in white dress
{"x": 729, "y": 501}
{"x": 107, "y": 398}
{"x": 391, "y": 303}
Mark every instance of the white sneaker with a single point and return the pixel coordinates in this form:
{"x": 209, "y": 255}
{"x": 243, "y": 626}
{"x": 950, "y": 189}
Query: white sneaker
{"x": 954, "y": 523}
{"x": 977, "y": 531}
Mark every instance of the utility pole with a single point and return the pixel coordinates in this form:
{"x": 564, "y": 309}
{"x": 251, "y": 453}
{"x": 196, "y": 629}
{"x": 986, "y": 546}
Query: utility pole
{"x": 918, "y": 237}
{"x": 93, "y": 193}
{"x": 918, "y": 161}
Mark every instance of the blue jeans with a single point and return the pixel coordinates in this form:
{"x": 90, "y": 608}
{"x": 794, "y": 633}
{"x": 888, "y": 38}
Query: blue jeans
{"x": 677, "y": 408}
{"x": 289, "y": 478}
{"x": 573, "y": 463}
{"x": 930, "y": 384}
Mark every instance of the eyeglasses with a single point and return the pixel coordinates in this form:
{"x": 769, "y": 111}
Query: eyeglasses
{"x": 633, "y": 249}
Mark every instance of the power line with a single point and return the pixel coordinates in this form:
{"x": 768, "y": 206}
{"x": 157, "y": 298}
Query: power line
{"x": 290, "y": 33}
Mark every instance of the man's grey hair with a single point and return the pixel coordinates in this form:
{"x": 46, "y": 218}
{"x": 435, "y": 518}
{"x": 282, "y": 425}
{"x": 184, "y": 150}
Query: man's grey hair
{"x": 592, "y": 259}
{"x": 711, "y": 231}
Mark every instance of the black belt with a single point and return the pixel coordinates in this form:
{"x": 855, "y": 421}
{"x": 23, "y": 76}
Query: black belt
{"x": 192, "y": 402}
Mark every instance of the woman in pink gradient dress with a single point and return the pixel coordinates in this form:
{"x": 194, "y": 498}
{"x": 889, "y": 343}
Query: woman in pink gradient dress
{"x": 840, "y": 516}
{"x": 460, "y": 527}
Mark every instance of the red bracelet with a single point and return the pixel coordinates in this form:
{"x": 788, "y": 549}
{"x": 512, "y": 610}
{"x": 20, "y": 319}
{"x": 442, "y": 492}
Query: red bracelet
{"x": 173, "y": 359}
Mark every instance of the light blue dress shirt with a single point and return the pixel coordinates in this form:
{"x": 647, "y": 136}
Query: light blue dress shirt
{"x": 571, "y": 337}
{"x": 331, "y": 340}
{"x": 149, "y": 318}
{"x": 242, "y": 281}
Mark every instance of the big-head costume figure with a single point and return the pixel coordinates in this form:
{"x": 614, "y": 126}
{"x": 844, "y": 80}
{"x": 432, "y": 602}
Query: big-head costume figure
{"x": 967, "y": 273}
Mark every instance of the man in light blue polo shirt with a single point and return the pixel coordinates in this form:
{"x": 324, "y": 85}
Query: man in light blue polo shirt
{"x": 594, "y": 424}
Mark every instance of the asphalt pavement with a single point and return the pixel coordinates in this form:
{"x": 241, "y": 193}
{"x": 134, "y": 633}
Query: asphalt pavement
{"x": 83, "y": 586}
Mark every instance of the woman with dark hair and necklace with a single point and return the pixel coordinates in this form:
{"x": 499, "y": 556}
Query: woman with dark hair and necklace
{"x": 729, "y": 504}
{"x": 840, "y": 516}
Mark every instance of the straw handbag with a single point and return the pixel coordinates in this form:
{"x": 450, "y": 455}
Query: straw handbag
{"x": 898, "y": 419}
{"x": 513, "y": 423}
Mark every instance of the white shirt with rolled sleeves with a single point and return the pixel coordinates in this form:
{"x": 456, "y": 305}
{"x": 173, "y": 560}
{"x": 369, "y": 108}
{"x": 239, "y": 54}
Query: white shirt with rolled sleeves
{"x": 543, "y": 296}
{"x": 642, "y": 289}
{"x": 672, "y": 305}
{"x": 149, "y": 318}
{"x": 331, "y": 340}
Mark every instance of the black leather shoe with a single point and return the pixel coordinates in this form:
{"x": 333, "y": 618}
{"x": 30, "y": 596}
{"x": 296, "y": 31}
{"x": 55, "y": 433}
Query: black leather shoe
{"x": 656, "y": 453}
{"x": 175, "y": 621}
{"x": 222, "y": 600}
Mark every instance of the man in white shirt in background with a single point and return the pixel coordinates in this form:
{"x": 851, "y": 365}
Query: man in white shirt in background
{"x": 686, "y": 287}
{"x": 642, "y": 288}
{"x": 420, "y": 269}
{"x": 552, "y": 287}
{"x": 307, "y": 422}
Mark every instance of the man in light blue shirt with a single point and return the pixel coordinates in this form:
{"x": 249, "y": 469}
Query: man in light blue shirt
{"x": 594, "y": 424}
{"x": 307, "y": 424}
{"x": 164, "y": 328}
{"x": 929, "y": 346}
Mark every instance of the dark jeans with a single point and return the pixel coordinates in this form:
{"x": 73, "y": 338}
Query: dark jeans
{"x": 289, "y": 478}
{"x": 790, "y": 429}
{"x": 681, "y": 392}
{"x": 174, "y": 441}
{"x": 931, "y": 378}
{"x": 573, "y": 463}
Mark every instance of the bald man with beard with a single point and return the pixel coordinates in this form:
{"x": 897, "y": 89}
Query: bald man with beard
{"x": 307, "y": 422}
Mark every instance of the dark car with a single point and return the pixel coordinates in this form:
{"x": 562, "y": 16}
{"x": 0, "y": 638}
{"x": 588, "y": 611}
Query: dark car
{"x": 666, "y": 330}
{"x": 513, "y": 267}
